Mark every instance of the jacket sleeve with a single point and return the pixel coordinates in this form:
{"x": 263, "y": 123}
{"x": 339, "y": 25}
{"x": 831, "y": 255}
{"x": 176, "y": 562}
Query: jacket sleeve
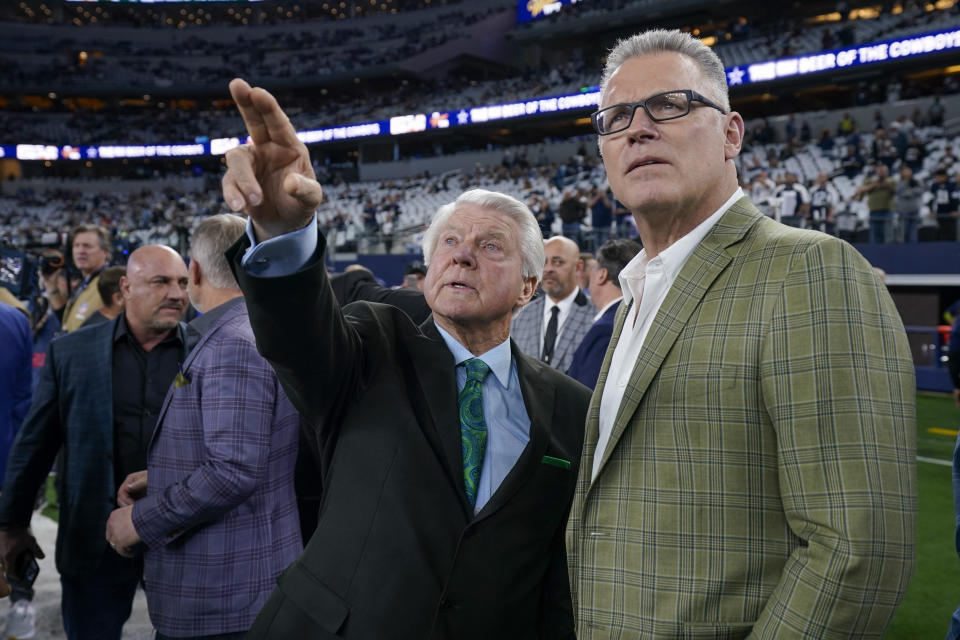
{"x": 239, "y": 398}
{"x": 34, "y": 448}
{"x": 838, "y": 384}
{"x": 300, "y": 329}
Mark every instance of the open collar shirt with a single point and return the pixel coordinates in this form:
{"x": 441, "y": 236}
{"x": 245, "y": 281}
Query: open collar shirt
{"x": 645, "y": 283}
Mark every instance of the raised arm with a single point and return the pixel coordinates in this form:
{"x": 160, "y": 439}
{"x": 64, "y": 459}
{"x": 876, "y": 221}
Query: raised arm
{"x": 271, "y": 179}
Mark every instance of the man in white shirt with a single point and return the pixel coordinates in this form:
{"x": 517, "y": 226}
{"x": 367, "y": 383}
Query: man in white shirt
{"x": 749, "y": 468}
{"x": 552, "y": 326}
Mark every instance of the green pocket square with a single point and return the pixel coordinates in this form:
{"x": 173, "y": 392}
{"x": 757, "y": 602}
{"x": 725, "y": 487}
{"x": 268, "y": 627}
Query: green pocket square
{"x": 556, "y": 462}
{"x": 180, "y": 381}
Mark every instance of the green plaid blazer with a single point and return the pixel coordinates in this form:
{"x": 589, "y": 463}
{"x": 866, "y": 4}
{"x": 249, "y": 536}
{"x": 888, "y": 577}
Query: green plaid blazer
{"x": 760, "y": 477}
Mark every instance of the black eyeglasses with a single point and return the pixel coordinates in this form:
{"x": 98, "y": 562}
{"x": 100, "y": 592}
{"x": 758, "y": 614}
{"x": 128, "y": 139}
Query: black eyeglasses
{"x": 661, "y": 107}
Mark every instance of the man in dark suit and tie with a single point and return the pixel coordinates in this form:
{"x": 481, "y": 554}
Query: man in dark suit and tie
{"x": 448, "y": 456}
{"x": 98, "y": 398}
{"x": 552, "y": 326}
{"x": 606, "y": 294}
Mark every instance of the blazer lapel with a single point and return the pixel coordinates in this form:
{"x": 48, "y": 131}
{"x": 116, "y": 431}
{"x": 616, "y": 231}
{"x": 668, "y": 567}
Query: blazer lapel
{"x": 581, "y": 315}
{"x": 188, "y": 359}
{"x": 434, "y": 368}
{"x": 538, "y": 398}
{"x": 707, "y": 261}
{"x": 592, "y": 434}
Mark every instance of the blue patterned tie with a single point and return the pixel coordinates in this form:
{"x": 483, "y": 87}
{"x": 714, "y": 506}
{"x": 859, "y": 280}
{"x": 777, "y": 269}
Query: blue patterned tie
{"x": 473, "y": 428}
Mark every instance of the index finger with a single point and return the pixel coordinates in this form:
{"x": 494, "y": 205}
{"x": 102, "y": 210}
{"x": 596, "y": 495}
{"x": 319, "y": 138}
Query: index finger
{"x": 262, "y": 115}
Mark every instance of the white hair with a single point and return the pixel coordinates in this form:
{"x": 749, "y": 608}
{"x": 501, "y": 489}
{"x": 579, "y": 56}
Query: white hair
{"x": 210, "y": 240}
{"x": 531, "y": 240}
{"x": 657, "y": 41}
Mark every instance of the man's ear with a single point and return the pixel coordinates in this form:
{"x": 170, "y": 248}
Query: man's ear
{"x": 603, "y": 274}
{"x": 196, "y": 273}
{"x": 526, "y": 292}
{"x": 116, "y": 300}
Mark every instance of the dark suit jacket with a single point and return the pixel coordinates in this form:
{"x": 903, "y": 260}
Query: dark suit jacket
{"x": 398, "y": 552}
{"x": 73, "y": 408}
{"x": 588, "y": 357}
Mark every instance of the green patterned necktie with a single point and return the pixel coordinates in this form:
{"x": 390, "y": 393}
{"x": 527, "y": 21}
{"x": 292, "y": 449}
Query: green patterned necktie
{"x": 473, "y": 428}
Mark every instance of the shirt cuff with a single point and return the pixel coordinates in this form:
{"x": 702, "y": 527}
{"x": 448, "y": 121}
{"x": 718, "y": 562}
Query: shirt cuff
{"x": 282, "y": 255}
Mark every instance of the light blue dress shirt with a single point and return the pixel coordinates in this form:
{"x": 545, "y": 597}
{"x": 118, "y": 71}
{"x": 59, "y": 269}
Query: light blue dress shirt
{"x": 508, "y": 425}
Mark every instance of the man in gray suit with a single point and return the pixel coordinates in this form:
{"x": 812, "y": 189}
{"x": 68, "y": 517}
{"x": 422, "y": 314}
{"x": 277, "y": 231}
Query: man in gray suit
{"x": 552, "y": 326}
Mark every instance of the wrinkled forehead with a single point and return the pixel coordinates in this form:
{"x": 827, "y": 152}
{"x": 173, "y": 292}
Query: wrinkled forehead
{"x": 640, "y": 77}
{"x": 478, "y": 220}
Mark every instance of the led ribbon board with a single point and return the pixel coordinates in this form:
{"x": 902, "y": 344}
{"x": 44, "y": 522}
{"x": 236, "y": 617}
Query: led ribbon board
{"x": 846, "y": 58}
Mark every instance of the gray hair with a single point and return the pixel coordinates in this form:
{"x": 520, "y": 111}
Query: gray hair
{"x": 657, "y": 41}
{"x": 531, "y": 240}
{"x": 210, "y": 240}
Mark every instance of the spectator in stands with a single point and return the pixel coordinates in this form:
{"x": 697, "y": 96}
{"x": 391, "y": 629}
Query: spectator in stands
{"x": 914, "y": 154}
{"x": 945, "y": 205}
{"x": 661, "y": 542}
{"x": 572, "y": 211}
{"x": 99, "y": 397}
{"x": 794, "y": 201}
{"x": 111, "y": 298}
{"x": 847, "y": 125}
{"x": 851, "y": 163}
{"x": 552, "y": 326}
{"x": 879, "y": 192}
{"x": 540, "y": 207}
{"x": 606, "y": 294}
{"x": 935, "y": 113}
{"x": 908, "y": 201}
{"x": 601, "y": 206}
{"x": 215, "y": 510}
{"x": 91, "y": 249}
{"x": 823, "y": 203}
{"x": 411, "y": 508}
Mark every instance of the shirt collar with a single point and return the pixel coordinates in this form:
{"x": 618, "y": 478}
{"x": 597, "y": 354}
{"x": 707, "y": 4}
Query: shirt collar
{"x": 564, "y": 304}
{"x": 202, "y": 323}
{"x": 498, "y": 358}
{"x": 675, "y": 256}
{"x": 606, "y": 307}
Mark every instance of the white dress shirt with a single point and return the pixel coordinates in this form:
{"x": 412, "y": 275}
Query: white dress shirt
{"x": 647, "y": 283}
{"x": 565, "y": 305}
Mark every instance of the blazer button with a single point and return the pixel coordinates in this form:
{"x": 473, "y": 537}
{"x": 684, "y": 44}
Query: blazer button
{"x": 445, "y": 604}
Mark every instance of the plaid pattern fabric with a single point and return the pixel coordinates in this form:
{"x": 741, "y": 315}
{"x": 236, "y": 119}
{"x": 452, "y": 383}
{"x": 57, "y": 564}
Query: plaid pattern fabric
{"x": 220, "y": 517}
{"x": 526, "y": 329}
{"x": 760, "y": 474}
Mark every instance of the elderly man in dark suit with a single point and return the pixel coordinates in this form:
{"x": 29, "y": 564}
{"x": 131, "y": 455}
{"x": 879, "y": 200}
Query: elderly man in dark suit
{"x": 219, "y": 519}
{"x": 98, "y": 398}
{"x": 449, "y": 456}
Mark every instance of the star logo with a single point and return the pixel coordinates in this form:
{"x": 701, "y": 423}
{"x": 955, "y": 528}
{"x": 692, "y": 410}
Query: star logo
{"x": 735, "y": 76}
{"x": 463, "y": 117}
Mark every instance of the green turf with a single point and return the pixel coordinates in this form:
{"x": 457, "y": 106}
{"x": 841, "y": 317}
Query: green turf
{"x": 934, "y": 591}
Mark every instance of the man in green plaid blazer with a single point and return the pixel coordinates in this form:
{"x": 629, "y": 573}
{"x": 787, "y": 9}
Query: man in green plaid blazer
{"x": 748, "y": 468}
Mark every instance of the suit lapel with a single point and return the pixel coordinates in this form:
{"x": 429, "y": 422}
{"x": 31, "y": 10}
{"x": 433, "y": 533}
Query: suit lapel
{"x": 696, "y": 276}
{"x": 187, "y": 362}
{"x": 592, "y": 434}
{"x": 434, "y": 368}
{"x": 538, "y": 398}
{"x": 581, "y": 315}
